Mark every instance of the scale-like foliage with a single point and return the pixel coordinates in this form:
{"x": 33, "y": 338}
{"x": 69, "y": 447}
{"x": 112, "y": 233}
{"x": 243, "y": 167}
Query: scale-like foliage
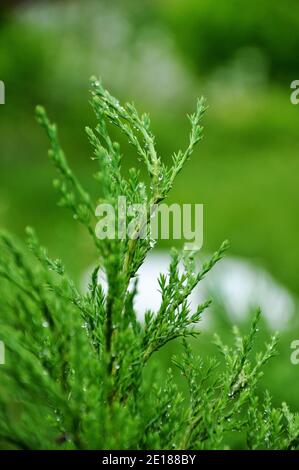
{"x": 79, "y": 370}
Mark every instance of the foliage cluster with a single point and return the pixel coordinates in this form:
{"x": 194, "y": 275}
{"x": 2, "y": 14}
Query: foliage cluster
{"x": 81, "y": 370}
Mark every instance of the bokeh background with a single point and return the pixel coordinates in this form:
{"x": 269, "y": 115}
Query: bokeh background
{"x": 163, "y": 54}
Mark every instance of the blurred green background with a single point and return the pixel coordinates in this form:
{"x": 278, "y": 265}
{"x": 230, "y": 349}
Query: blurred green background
{"x": 163, "y": 54}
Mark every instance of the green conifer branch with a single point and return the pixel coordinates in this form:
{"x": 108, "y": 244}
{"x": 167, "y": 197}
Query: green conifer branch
{"x": 80, "y": 370}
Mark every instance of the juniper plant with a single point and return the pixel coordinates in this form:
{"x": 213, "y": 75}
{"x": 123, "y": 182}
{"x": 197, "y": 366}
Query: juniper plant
{"x": 80, "y": 368}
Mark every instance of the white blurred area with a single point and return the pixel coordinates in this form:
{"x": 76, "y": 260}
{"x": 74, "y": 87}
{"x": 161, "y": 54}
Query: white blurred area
{"x": 238, "y": 285}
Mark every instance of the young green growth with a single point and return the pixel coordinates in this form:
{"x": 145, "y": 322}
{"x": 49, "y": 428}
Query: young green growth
{"x": 81, "y": 369}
